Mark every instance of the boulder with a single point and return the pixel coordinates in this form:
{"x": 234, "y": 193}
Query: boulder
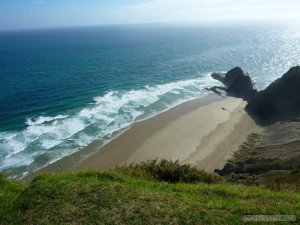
{"x": 280, "y": 100}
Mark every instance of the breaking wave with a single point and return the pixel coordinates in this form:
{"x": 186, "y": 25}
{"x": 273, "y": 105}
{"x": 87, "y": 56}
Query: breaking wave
{"x": 47, "y": 139}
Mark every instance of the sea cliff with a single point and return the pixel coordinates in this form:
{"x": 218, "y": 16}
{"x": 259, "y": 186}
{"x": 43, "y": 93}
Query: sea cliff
{"x": 272, "y": 154}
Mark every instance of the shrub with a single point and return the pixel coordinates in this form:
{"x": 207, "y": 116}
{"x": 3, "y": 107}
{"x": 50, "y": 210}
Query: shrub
{"x": 3, "y": 179}
{"x": 169, "y": 171}
{"x": 245, "y": 179}
{"x": 283, "y": 180}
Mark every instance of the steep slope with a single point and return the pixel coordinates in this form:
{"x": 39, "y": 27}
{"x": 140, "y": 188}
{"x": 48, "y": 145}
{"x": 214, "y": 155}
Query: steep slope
{"x": 114, "y": 198}
{"x": 280, "y": 100}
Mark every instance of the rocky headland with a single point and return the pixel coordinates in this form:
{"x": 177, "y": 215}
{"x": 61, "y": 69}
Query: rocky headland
{"x": 238, "y": 83}
{"x": 272, "y": 156}
{"x": 280, "y": 101}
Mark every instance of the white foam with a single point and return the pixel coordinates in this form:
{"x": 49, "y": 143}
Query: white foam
{"x": 109, "y": 113}
{"x": 12, "y": 144}
{"x": 43, "y": 119}
{"x": 48, "y": 144}
{"x": 84, "y": 140}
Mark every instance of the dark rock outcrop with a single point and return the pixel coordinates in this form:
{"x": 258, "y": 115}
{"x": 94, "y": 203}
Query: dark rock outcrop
{"x": 280, "y": 100}
{"x": 242, "y": 87}
{"x": 219, "y": 76}
{"x": 238, "y": 83}
{"x": 233, "y": 74}
{"x": 218, "y": 90}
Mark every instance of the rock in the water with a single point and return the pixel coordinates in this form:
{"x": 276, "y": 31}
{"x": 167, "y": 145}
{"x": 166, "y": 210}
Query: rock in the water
{"x": 280, "y": 100}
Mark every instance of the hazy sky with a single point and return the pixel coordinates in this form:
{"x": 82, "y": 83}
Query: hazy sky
{"x": 15, "y": 14}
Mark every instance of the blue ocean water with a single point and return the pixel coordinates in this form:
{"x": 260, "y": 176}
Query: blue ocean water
{"x": 62, "y": 89}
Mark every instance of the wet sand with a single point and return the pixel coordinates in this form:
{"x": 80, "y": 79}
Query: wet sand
{"x": 204, "y": 132}
{"x": 205, "y": 136}
{"x": 131, "y": 143}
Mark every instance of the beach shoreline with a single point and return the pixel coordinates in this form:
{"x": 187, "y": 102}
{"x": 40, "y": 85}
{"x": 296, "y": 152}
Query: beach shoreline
{"x": 204, "y": 132}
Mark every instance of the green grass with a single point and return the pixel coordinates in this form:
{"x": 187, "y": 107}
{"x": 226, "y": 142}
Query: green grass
{"x": 114, "y": 197}
{"x": 9, "y": 191}
{"x": 169, "y": 171}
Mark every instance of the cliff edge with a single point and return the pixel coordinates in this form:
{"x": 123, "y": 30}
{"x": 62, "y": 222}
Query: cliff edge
{"x": 280, "y": 101}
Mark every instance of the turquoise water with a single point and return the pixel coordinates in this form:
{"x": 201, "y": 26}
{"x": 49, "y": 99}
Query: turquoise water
{"x": 62, "y": 89}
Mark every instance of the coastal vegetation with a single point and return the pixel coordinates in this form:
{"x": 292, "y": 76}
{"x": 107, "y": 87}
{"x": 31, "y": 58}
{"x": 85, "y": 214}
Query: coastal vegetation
{"x": 124, "y": 196}
{"x": 275, "y": 166}
{"x": 168, "y": 171}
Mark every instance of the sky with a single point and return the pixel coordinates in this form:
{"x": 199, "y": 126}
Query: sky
{"x": 23, "y": 14}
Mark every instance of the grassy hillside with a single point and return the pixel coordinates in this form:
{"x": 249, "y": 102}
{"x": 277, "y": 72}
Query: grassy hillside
{"x": 114, "y": 197}
{"x": 271, "y": 158}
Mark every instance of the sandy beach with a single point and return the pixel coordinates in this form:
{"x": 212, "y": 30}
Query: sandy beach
{"x": 203, "y": 133}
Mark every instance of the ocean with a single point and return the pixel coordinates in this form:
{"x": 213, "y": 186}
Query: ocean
{"x": 63, "y": 89}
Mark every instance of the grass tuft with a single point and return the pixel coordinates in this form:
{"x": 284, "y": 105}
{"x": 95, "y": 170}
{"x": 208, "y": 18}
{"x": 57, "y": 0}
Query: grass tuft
{"x": 169, "y": 171}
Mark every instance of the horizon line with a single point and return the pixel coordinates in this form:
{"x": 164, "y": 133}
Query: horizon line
{"x": 202, "y": 22}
